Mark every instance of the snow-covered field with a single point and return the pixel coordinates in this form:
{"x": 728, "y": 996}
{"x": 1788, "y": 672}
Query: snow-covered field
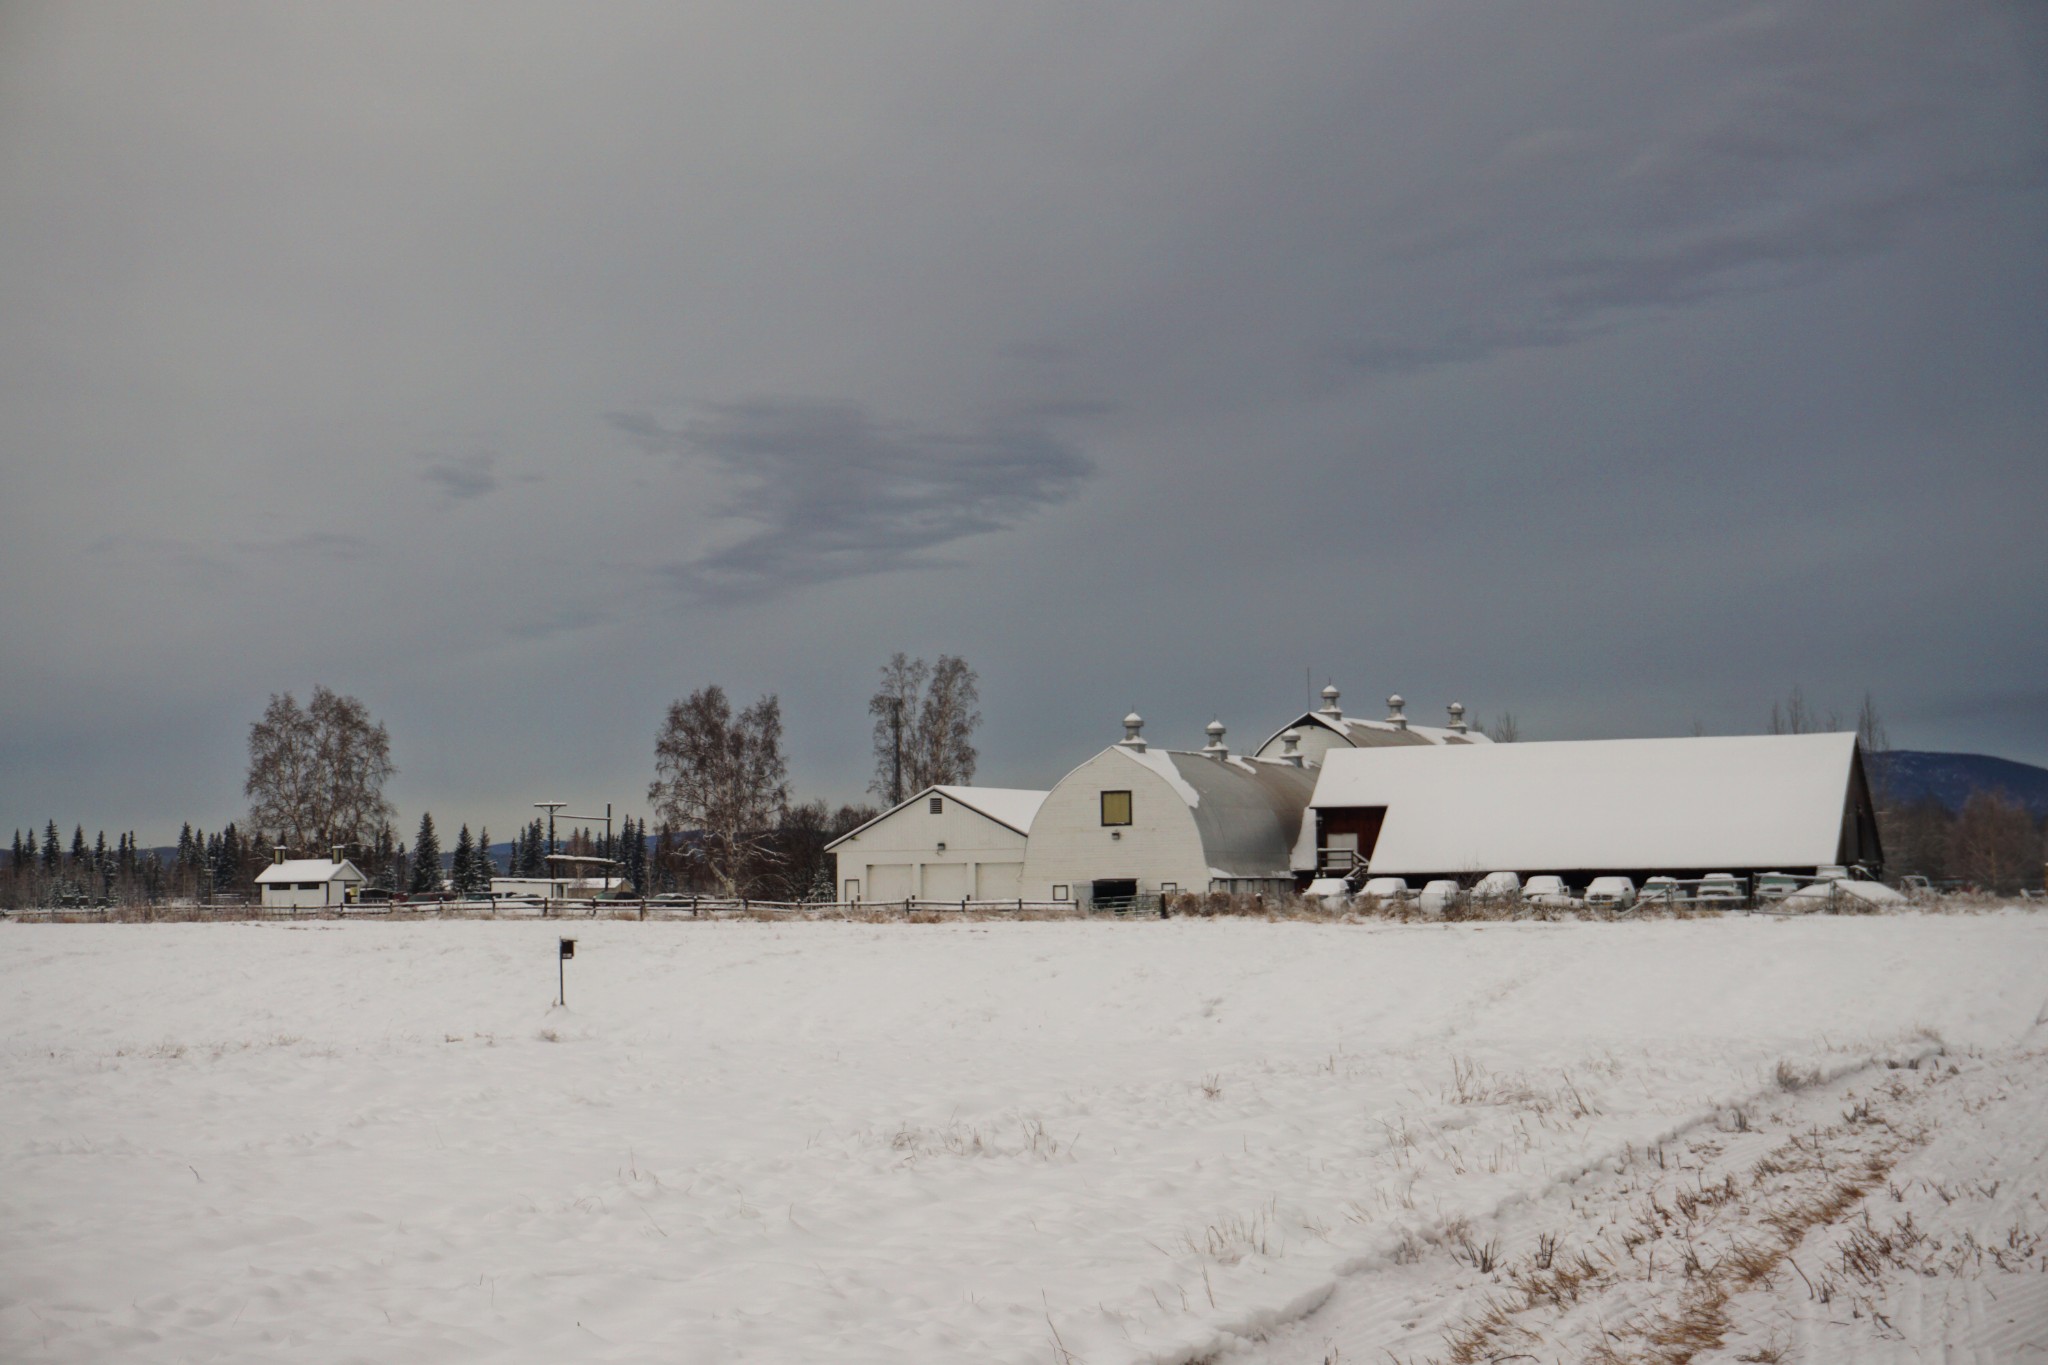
{"x": 1048, "y": 1142}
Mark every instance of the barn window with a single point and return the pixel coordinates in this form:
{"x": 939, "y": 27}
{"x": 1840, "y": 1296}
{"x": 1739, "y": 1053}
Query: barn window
{"x": 1116, "y": 808}
{"x": 1059, "y": 891}
{"x": 938, "y": 804}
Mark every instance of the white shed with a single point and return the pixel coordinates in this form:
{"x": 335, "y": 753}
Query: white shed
{"x": 1317, "y": 732}
{"x": 308, "y": 883}
{"x": 1679, "y": 807}
{"x": 1135, "y": 821}
{"x": 943, "y": 844}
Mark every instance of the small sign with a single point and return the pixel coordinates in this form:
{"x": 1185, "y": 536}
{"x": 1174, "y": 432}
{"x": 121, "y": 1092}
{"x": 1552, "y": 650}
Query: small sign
{"x": 568, "y": 947}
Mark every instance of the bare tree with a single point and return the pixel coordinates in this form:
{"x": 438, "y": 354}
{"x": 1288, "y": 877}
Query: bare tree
{"x": 723, "y": 776}
{"x": 1794, "y": 716}
{"x": 1506, "y": 730}
{"x": 895, "y": 709}
{"x": 924, "y": 725}
{"x": 317, "y": 773}
{"x": 1994, "y": 844}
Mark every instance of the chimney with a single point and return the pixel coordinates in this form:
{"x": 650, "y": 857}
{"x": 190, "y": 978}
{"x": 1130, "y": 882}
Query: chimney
{"x": 1214, "y": 748}
{"x": 1133, "y": 740}
{"x": 1330, "y": 708}
{"x": 1290, "y": 747}
{"x": 337, "y": 851}
{"x": 1458, "y": 726}
{"x": 1394, "y": 716}
{"x": 276, "y": 854}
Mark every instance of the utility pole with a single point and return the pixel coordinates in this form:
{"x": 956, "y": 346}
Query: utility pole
{"x": 550, "y": 807}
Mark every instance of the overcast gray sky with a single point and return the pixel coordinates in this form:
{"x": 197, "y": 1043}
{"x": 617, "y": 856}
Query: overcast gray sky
{"x": 520, "y": 368}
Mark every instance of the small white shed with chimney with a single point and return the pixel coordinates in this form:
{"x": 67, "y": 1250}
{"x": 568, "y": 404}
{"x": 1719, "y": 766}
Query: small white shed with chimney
{"x": 309, "y": 883}
{"x": 943, "y": 844}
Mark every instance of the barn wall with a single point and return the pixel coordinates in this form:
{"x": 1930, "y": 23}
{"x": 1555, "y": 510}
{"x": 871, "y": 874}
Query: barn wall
{"x": 1070, "y": 845}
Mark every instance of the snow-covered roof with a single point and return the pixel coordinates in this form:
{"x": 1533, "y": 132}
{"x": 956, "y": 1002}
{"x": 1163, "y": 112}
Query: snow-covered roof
{"x": 1247, "y": 810}
{"x": 1717, "y": 801}
{"x": 1011, "y": 807}
{"x": 1361, "y": 733}
{"x": 309, "y": 870}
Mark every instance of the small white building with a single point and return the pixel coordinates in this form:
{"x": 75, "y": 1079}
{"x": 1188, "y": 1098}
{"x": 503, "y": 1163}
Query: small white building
{"x": 309, "y": 883}
{"x": 1137, "y": 821}
{"x": 1317, "y": 732}
{"x": 943, "y": 844}
{"x": 1682, "y": 808}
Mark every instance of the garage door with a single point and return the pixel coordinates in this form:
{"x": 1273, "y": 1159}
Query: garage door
{"x": 889, "y": 881}
{"x": 998, "y": 881}
{"x": 945, "y": 881}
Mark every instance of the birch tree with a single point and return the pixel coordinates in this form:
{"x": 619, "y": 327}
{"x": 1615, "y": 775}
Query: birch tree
{"x": 924, "y": 725}
{"x": 724, "y": 776}
{"x": 317, "y": 773}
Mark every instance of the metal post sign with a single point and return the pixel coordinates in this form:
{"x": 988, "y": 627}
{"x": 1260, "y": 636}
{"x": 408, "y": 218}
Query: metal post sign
{"x": 567, "y": 951}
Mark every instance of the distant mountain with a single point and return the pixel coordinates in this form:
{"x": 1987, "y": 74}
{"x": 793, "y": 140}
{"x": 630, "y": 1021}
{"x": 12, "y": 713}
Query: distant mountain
{"x": 1950, "y": 779}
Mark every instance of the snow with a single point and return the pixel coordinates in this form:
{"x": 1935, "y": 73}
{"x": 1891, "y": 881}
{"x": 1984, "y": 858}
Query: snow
{"x": 1131, "y": 1141}
{"x": 1737, "y": 801}
{"x": 1012, "y": 806}
{"x": 1821, "y": 893}
{"x": 1161, "y": 761}
{"x": 307, "y": 870}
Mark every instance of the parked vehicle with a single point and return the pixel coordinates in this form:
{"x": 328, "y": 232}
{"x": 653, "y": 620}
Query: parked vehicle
{"x": 1775, "y": 886}
{"x": 1660, "y": 891}
{"x": 1612, "y": 892}
{"x": 1385, "y": 888}
{"x": 1498, "y": 886}
{"x": 1721, "y": 889}
{"x": 1438, "y": 894}
{"x": 1548, "y": 890}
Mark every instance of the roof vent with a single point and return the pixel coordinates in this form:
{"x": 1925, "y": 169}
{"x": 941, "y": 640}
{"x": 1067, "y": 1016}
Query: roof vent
{"x": 1290, "y": 747}
{"x": 1458, "y": 726}
{"x": 1394, "y": 716}
{"x": 1133, "y": 724}
{"x": 337, "y": 851}
{"x": 1330, "y": 708}
{"x": 276, "y": 854}
{"x": 1214, "y": 748}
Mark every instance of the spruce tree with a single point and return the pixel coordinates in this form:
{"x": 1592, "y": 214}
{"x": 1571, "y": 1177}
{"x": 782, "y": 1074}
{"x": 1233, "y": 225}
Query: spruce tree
{"x": 482, "y": 863}
{"x": 77, "y": 847}
{"x": 53, "y": 850}
{"x": 463, "y": 873}
{"x": 426, "y": 858}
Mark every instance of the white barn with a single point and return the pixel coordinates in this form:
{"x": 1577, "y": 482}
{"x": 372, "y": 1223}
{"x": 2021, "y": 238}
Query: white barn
{"x": 1136, "y": 821}
{"x": 946, "y": 843}
{"x": 308, "y": 883}
{"x": 1679, "y": 807}
{"x": 1317, "y": 732}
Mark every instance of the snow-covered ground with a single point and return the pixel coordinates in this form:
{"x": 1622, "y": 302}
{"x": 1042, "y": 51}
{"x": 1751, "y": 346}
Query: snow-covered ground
{"x": 1049, "y": 1142}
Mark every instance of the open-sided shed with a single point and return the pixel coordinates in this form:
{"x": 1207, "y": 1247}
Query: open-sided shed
{"x": 1681, "y": 807}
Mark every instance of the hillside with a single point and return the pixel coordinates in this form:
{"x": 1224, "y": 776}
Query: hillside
{"x": 1951, "y": 778}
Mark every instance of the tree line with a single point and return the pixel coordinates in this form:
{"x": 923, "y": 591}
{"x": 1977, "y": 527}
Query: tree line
{"x": 725, "y": 821}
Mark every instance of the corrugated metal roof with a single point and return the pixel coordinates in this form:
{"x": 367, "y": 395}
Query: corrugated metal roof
{"x": 1739, "y": 801}
{"x": 1361, "y": 733}
{"x": 1247, "y": 811}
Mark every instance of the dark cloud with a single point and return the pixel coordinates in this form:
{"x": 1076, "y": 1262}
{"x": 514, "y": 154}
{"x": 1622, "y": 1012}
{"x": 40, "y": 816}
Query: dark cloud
{"x": 463, "y": 477}
{"x": 831, "y": 493}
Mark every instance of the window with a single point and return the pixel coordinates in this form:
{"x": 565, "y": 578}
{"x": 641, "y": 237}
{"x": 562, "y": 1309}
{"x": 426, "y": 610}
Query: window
{"x": 853, "y": 890}
{"x": 1059, "y": 891}
{"x": 1116, "y": 808}
{"x": 938, "y": 804}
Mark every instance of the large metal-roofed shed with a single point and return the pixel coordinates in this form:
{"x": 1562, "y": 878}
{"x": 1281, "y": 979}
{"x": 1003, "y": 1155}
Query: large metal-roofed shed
{"x": 1315, "y": 733}
{"x": 1135, "y": 821}
{"x": 1740, "y": 804}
